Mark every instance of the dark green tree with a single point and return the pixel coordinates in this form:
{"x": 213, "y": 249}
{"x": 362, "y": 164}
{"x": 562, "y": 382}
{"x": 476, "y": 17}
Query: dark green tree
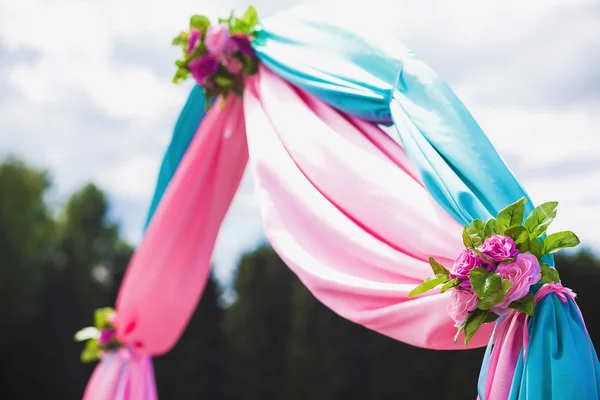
{"x": 195, "y": 367}
{"x": 26, "y": 240}
{"x": 257, "y": 327}
{"x": 326, "y": 350}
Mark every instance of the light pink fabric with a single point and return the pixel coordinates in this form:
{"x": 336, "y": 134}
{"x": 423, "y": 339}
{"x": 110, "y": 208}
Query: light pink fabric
{"x": 557, "y": 288}
{"x": 510, "y": 336}
{"x": 122, "y": 375}
{"x": 168, "y": 271}
{"x": 343, "y": 208}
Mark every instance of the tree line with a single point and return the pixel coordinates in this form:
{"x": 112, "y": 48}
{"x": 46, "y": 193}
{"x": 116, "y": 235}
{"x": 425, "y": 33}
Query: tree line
{"x": 275, "y": 341}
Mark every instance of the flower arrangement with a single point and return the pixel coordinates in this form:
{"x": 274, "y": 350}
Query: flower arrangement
{"x": 219, "y": 57}
{"x": 99, "y": 338}
{"x": 502, "y": 260}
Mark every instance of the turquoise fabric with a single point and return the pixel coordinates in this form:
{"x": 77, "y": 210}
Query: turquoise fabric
{"x": 185, "y": 128}
{"x": 458, "y": 163}
{"x": 337, "y": 65}
{"x": 561, "y": 361}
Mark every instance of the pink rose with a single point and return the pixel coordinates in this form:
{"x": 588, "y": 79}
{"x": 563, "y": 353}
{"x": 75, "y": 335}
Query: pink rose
{"x": 216, "y": 39}
{"x": 234, "y": 65}
{"x": 242, "y": 43}
{"x": 522, "y": 273}
{"x": 464, "y": 300}
{"x": 499, "y": 248}
{"x": 106, "y": 336}
{"x": 466, "y": 261}
{"x": 203, "y": 67}
{"x": 193, "y": 40}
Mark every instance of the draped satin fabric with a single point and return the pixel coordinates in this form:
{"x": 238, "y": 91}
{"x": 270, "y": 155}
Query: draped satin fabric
{"x": 122, "y": 375}
{"x": 352, "y": 214}
{"x": 186, "y": 126}
{"x": 167, "y": 274}
{"x": 379, "y": 79}
{"x": 359, "y": 243}
{"x": 561, "y": 362}
{"x": 458, "y": 165}
{"x": 308, "y": 47}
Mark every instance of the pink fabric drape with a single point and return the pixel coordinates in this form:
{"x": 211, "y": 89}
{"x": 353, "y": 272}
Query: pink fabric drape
{"x": 168, "y": 271}
{"x": 345, "y": 210}
{"x": 509, "y": 338}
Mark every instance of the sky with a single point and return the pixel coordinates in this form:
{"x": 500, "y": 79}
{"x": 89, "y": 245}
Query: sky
{"x": 86, "y": 92}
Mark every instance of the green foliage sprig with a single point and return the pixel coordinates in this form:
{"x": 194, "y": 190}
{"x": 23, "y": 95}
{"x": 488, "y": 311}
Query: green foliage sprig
{"x": 98, "y": 338}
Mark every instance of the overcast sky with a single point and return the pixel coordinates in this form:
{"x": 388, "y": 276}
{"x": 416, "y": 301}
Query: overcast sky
{"x": 85, "y": 91}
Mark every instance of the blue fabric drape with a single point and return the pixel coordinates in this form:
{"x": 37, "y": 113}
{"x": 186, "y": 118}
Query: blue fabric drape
{"x": 561, "y": 361}
{"x": 185, "y": 128}
{"x": 335, "y": 64}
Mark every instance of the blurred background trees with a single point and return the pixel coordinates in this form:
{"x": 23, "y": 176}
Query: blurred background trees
{"x": 275, "y": 341}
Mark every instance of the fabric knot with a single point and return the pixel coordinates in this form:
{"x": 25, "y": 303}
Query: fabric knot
{"x": 561, "y": 291}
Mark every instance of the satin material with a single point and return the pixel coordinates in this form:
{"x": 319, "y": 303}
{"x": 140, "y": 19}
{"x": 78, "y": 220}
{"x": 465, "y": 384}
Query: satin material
{"x": 561, "y": 361}
{"x": 308, "y": 48}
{"x": 458, "y": 163}
{"x": 186, "y": 126}
{"x": 460, "y": 167}
{"x": 122, "y": 375}
{"x": 313, "y": 181}
{"x": 167, "y": 273}
{"x": 502, "y": 355}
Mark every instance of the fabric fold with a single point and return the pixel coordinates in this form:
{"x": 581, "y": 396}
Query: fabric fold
{"x": 186, "y": 126}
{"x": 561, "y": 361}
{"x": 312, "y": 189}
{"x": 123, "y": 375}
{"x": 167, "y": 273}
{"x": 317, "y": 52}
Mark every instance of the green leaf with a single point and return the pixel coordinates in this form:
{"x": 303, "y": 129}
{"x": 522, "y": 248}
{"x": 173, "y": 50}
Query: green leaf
{"x": 251, "y": 17}
{"x": 524, "y": 247}
{"x": 428, "y": 284}
{"x": 549, "y": 274}
{"x": 525, "y": 305}
{"x": 450, "y": 285}
{"x": 91, "y": 332}
{"x": 181, "y": 39}
{"x": 180, "y": 75}
{"x": 511, "y": 215}
{"x": 491, "y": 227}
{"x": 536, "y": 248}
{"x": 474, "y": 322}
{"x": 460, "y": 329}
{"x": 90, "y": 352}
{"x": 240, "y": 26}
{"x": 476, "y": 232}
{"x": 467, "y": 241}
{"x": 438, "y": 269}
{"x": 518, "y": 234}
{"x": 480, "y": 254}
{"x": 101, "y": 317}
{"x": 537, "y": 222}
{"x": 223, "y": 81}
{"x": 496, "y": 297}
{"x": 199, "y": 22}
{"x": 483, "y": 282}
{"x": 559, "y": 240}
{"x": 491, "y": 317}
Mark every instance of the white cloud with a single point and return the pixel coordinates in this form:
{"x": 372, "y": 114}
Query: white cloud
{"x": 95, "y": 101}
